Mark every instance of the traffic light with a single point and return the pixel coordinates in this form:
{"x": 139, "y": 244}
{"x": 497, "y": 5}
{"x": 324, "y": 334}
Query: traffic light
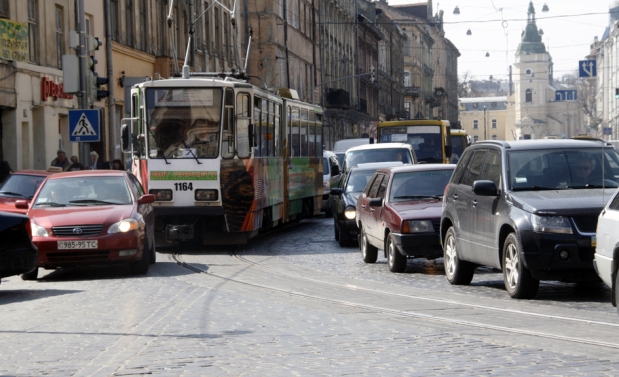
{"x": 372, "y": 74}
{"x": 94, "y": 82}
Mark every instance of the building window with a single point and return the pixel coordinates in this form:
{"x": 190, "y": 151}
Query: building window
{"x": 494, "y": 137}
{"x": 114, "y": 18}
{"x": 475, "y": 124}
{"x": 407, "y": 79}
{"x": 528, "y": 95}
{"x": 4, "y": 9}
{"x": 130, "y": 21}
{"x": 408, "y": 107}
{"x": 59, "y": 36}
{"x": 33, "y": 29}
{"x": 493, "y": 123}
{"x": 475, "y": 139}
{"x": 207, "y": 27}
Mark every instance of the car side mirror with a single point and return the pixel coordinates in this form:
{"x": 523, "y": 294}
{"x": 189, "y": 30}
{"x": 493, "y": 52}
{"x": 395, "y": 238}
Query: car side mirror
{"x": 336, "y": 191}
{"x": 147, "y": 198}
{"x": 335, "y": 170}
{"x": 21, "y": 204}
{"x": 125, "y": 137}
{"x": 485, "y": 188}
{"x": 375, "y": 202}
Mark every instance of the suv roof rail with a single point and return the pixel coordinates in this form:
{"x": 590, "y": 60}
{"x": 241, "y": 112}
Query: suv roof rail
{"x": 501, "y": 143}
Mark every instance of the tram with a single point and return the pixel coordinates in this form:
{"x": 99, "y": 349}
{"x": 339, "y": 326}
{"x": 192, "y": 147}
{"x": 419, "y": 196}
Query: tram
{"x": 224, "y": 158}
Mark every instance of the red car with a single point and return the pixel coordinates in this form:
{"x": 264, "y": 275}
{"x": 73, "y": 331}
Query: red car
{"x": 92, "y": 217}
{"x": 20, "y": 185}
{"x": 399, "y": 212}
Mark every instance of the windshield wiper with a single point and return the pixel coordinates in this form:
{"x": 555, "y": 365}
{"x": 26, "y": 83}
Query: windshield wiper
{"x": 51, "y": 204}
{"x": 95, "y": 201}
{"x": 419, "y": 197}
{"x": 190, "y": 151}
{"x": 159, "y": 151}
{"x": 13, "y": 193}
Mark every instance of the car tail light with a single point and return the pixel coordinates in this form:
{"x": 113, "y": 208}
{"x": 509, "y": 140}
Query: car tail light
{"x": 206, "y": 195}
{"x": 162, "y": 195}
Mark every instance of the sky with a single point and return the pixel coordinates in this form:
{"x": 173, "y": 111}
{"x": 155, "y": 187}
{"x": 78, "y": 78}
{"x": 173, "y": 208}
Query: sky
{"x": 496, "y": 25}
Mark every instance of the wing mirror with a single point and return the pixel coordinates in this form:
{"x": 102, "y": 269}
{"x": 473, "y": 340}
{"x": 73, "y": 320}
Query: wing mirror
{"x": 375, "y": 202}
{"x": 21, "y": 204}
{"x": 147, "y": 198}
{"x": 485, "y": 188}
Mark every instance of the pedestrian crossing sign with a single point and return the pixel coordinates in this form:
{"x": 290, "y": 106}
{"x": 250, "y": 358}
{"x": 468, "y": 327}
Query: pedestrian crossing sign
{"x": 84, "y": 125}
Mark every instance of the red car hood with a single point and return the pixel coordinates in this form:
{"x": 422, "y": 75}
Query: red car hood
{"x": 419, "y": 209}
{"x": 65, "y": 216}
{"x": 7, "y": 204}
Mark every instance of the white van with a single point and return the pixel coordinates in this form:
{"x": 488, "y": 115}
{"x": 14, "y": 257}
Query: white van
{"x": 340, "y": 147}
{"x": 330, "y": 167}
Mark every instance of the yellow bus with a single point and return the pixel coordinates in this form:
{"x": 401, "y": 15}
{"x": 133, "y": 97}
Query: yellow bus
{"x": 430, "y": 139}
{"x": 459, "y": 141}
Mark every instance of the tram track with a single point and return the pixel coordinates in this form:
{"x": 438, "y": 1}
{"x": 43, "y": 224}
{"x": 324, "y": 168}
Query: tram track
{"x": 573, "y": 328}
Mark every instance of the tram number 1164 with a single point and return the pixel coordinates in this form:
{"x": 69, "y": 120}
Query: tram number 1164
{"x": 184, "y": 186}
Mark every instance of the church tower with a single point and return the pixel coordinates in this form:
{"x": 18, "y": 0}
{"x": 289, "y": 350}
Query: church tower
{"x": 533, "y": 74}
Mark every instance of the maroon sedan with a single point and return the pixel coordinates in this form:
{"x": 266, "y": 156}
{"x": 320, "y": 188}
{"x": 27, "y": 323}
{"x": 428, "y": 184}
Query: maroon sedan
{"x": 20, "y": 185}
{"x": 399, "y": 212}
{"x": 92, "y": 217}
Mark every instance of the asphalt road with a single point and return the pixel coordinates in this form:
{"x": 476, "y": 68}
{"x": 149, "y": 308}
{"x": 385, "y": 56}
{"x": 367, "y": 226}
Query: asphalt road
{"x": 292, "y": 302}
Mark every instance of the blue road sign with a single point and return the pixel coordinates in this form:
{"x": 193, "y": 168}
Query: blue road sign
{"x": 607, "y": 131}
{"x": 587, "y": 68}
{"x": 84, "y": 125}
{"x": 566, "y": 95}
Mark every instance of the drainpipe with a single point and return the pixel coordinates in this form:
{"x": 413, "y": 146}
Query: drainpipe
{"x": 114, "y": 142}
{"x": 286, "y": 44}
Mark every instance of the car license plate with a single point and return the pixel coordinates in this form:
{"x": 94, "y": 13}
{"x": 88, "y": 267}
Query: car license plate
{"x": 593, "y": 241}
{"x": 64, "y": 245}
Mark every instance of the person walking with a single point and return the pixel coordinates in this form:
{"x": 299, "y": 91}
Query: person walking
{"x": 61, "y": 160}
{"x": 95, "y": 164}
{"x": 76, "y": 165}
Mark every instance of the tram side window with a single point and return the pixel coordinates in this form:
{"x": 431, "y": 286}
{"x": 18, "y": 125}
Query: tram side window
{"x": 313, "y": 135}
{"x": 243, "y": 119}
{"x": 271, "y": 132}
{"x": 304, "y": 134}
{"x": 227, "y": 143}
{"x": 258, "y": 150}
{"x": 319, "y": 137}
{"x": 277, "y": 130}
{"x": 266, "y": 129}
{"x": 294, "y": 131}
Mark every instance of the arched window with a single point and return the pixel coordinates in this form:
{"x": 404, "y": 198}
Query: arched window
{"x": 528, "y": 96}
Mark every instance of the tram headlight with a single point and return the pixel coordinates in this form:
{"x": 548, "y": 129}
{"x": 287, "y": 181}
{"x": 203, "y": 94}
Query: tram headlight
{"x": 206, "y": 195}
{"x": 161, "y": 195}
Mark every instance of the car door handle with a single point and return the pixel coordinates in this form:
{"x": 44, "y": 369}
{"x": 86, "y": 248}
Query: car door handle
{"x": 362, "y": 205}
{"x": 372, "y": 209}
{"x": 475, "y": 203}
{"x": 455, "y": 196}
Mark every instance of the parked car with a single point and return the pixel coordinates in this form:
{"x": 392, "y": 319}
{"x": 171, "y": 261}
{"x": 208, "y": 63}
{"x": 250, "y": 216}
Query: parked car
{"x": 384, "y": 152}
{"x": 399, "y": 212}
{"x": 344, "y": 198}
{"x": 606, "y": 258}
{"x": 20, "y": 185}
{"x": 17, "y": 253}
{"x": 331, "y": 168}
{"x": 529, "y": 208}
{"x": 92, "y": 217}
{"x": 341, "y": 146}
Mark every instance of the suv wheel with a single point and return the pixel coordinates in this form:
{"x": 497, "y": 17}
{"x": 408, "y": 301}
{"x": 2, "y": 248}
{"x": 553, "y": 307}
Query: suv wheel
{"x": 368, "y": 252}
{"x": 518, "y": 280}
{"x": 395, "y": 260}
{"x": 32, "y": 275}
{"x": 457, "y": 271}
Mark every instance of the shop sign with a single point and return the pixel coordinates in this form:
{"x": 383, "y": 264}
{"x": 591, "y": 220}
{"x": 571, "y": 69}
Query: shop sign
{"x": 51, "y": 89}
{"x": 14, "y": 42}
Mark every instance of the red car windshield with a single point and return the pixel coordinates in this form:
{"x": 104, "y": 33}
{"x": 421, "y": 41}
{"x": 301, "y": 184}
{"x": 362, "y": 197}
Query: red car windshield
{"x": 419, "y": 184}
{"x": 21, "y": 185}
{"x": 84, "y": 191}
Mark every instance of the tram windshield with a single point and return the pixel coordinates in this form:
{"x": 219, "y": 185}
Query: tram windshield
{"x": 183, "y": 122}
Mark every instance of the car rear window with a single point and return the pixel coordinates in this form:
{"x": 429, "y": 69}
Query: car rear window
{"x": 354, "y": 158}
{"x": 358, "y": 180}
